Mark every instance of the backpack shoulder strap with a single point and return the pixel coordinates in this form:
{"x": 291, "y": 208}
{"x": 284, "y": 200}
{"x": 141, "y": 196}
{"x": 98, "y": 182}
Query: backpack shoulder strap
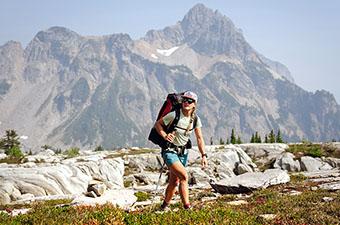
{"x": 195, "y": 122}
{"x": 175, "y": 120}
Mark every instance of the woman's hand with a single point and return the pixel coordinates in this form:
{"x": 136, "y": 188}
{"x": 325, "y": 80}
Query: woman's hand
{"x": 170, "y": 137}
{"x": 204, "y": 162}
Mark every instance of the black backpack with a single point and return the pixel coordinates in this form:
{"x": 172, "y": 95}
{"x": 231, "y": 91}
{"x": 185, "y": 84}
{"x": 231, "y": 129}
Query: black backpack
{"x": 172, "y": 103}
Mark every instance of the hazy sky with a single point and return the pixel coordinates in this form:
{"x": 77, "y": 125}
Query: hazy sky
{"x": 304, "y": 35}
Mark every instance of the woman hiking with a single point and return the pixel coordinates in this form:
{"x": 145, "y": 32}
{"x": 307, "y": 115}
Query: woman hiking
{"x": 176, "y": 155}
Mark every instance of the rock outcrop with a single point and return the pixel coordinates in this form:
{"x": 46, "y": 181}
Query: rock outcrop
{"x": 100, "y": 177}
{"x": 58, "y": 179}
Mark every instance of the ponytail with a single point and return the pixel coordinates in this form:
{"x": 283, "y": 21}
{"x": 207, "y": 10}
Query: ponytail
{"x": 192, "y": 117}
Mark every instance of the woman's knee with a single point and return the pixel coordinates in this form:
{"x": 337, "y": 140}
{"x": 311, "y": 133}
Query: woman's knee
{"x": 180, "y": 172}
{"x": 174, "y": 182}
{"x": 183, "y": 177}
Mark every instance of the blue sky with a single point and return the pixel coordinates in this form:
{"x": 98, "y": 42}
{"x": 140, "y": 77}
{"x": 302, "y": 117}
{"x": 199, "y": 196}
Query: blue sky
{"x": 304, "y": 35}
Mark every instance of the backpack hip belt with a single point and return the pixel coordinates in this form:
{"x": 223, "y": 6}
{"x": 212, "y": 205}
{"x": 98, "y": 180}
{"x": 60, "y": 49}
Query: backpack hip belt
{"x": 179, "y": 150}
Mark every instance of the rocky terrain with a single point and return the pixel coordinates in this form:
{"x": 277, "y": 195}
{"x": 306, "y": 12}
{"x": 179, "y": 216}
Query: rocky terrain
{"x": 115, "y": 177}
{"x": 65, "y": 89}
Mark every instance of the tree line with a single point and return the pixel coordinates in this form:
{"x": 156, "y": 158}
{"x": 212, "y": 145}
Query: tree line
{"x": 271, "y": 137}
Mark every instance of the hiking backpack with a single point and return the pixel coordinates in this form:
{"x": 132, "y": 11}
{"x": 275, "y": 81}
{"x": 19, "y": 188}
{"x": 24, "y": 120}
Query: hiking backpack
{"x": 172, "y": 103}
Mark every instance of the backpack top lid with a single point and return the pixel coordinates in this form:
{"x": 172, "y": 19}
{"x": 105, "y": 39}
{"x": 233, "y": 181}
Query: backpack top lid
{"x": 173, "y": 101}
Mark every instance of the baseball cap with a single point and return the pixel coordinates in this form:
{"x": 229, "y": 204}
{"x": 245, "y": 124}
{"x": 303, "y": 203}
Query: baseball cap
{"x": 190, "y": 94}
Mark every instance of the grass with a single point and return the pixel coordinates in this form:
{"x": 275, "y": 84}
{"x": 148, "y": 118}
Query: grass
{"x": 314, "y": 150}
{"x": 54, "y": 202}
{"x": 297, "y": 178}
{"x": 12, "y": 160}
{"x": 132, "y": 152}
{"x": 306, "y": 208}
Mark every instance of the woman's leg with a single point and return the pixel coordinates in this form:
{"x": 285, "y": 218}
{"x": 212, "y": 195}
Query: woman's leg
{"x": 178, "y": 170}
{"x": 171, "y": 188}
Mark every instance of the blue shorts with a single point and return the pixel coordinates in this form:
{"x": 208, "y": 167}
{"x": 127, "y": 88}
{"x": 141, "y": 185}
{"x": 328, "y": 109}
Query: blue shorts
{"x": 170, "y": 157}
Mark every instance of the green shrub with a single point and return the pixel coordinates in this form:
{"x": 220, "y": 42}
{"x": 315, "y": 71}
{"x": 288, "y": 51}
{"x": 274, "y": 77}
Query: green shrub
{"x": 128, "y": 183}
{"x": 99, "y": 148}
{"x": 307, "y": 148}
{"x": 315, "y": 151}
{"x": 297, "y": 178}
{"x": 15, "y": 152}
{"x": 72, "y": 152}
{"x": 142, "y": 196}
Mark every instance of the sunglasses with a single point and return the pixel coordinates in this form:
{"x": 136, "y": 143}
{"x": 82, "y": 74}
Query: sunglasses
{"x": 188, "y": 100}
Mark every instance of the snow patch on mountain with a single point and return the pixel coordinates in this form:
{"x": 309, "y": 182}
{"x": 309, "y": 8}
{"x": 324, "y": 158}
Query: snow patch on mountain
{"x": 167, "y": 52}
{"x": 154, "y": 56}
{"x": 275, "y": 74}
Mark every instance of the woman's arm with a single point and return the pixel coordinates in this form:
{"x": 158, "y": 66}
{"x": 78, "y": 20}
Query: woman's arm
{"x": 159, "y": 128}
{"x": 201, "y": 146}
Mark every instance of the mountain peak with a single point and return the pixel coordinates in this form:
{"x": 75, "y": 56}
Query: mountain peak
{"x": 202, "y": 16}
{"x": 200, "y": 9}
{"x": 12, "y": 44}
{"x": 209, "y": 32}
{"x": 56, "y": 33}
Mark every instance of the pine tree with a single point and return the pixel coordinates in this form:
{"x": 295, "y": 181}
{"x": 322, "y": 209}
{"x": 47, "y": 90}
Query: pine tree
{"x": 279, "y": 137}
{"x": 10, "y": 143}
{"x": 257, "y": 138}
{"x": 228, "y": 142}
{"x": 272, "y": 137}
{"x": 266, "y": 139}
{"x": 252, "y": 139}
{"x": 10, "y": 140}
{"x": 221, "y": 141}
{"x": 238, "y": 141}
{"x": 233, "y": 137}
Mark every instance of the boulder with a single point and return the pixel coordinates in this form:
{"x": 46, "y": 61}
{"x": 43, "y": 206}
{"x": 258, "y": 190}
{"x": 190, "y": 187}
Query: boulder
{"x": 250, "y": 181}
{"x": 264, "y": 151}
{"x": 327, "y": 179}
{"x": 243, "y": 168}
{"x": 313, "y": 164}
{"x": 334, "y": 162}
{"x": 321, "y": 174}
{"x": 286, "y": 161}
{"x": 223, "y": 171}
{"x": 98, "y": 189}
{"x": 142, "y": 178}
{"x": 333, "y": 186}
{"x": 198, "y": 177}
{"x": 16, "y": 194}
{"x": 141, "y": 162}
{"x": 4, "y": 198}
{"x": 122, "y": 198}
{"x": 3, "y": 156}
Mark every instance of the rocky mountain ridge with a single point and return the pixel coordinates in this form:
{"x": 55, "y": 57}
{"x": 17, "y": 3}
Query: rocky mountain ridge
{"x": 65, "y": 89}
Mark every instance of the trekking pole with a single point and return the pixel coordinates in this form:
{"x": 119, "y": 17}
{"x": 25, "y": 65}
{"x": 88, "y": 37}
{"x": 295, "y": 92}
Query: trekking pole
{"x": 158, "y": 182}
{"x": 159, "y": 178}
